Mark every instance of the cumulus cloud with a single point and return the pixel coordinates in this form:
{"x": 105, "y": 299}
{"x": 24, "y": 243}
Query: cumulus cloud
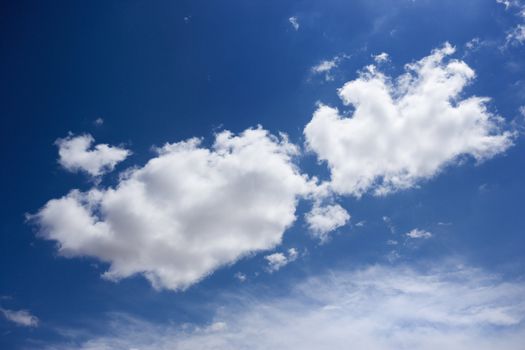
{"x": 294, "y": 21}
{"x": 77, "y": 154}
{"x": 417, "y": 233}
{"x": 187, "y": 212}
{"x": 20, "y": 317}
{"x": 404, "y": 130}
{"x": 278, "y": 260}
{"x": 321, "y": 220}
{"x": 375, "y": 308}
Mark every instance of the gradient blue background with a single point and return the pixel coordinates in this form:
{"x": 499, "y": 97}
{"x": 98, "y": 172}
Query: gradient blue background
{"x": 154, "y": 78}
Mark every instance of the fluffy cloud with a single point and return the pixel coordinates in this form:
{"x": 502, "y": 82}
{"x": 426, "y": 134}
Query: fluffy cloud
{"x": 323, "y": 219}
{"x": 20, "y": 317}
{"x": 375, "y": 308}
{"x": 187, "y": 212}
{"x": 417, "y": 233}
{"x": 76, "y": 155}
{"x": 404, "y": 130}
{"x": 278, "y": 260}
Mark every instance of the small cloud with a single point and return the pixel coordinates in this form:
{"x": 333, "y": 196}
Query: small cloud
{"x": 294, "y": 22}
{"x": 516, "y": 36}
{"x": 417, "y": 233}
{"x": 391, "y": 242}
{"x": 323, "y": 220}
{"x": 77, "y": 153}
{"x": 241, "y": 277}
{"x": 326, "y": 66}
{"x": 483, "y": 188}
{"x": 389, "y": 224}
{"x": 187, "y": 19}
{"x": 441, "y": 223}
{"x": 278, "y": 260}
{"x": 98, "y": 122}
{"x": 361, "y": 223}
{"x": 21, "y": 318}
{"x": 381, "y": 58}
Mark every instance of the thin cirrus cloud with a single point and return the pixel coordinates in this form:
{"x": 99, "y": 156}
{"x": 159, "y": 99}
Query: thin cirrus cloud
{"x": 404, "y": 130}
{"x": 77, "y": 153}
{"x": 20, "y": 317}
{"x": 378, "y": 308}
{"x": 187, "y": 212}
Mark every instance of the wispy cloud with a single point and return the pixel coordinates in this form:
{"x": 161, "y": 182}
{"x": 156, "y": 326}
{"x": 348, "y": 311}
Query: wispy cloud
{"x": 294, "y": 21}
{"x": 20, "y": 317}
{"x": 375, "y": 308}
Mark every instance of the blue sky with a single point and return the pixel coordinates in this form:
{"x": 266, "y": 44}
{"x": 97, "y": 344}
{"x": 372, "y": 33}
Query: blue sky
{"x": 262, "y": 174}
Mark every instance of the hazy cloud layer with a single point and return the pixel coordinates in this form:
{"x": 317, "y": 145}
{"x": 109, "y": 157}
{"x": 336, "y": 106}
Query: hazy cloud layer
{"x": 376, "y": 308}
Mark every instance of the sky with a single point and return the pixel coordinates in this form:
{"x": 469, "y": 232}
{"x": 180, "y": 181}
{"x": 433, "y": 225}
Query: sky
{"x": 262, "y": 174}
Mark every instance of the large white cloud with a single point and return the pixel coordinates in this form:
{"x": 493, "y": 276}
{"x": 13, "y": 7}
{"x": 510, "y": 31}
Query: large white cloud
{"x": 187, "y": 212}
{"x": 404, "y": 130}
{"x": 76, "y": 155}
{"x": 375, "y": 308}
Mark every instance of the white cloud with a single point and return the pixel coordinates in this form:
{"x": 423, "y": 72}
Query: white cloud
{"x": 381, "y": 58}
{"x": 404, "y": 130}
{"x": 294, "y": 21}
{"x": 278, "y": 260}
{"x": 76, "y": 155}
{"x": 417, "y": 233}
{"x": 516, "y": 36}
{"x": 326, "y": 66}
{"x": 510, "y": 3}
{"x": 321, "y": 220}
{"x": 99, "y": 121}
{"x": 20, "y": 317}
{"x": 187, "y": 212}
{"x": 376, "y": 308}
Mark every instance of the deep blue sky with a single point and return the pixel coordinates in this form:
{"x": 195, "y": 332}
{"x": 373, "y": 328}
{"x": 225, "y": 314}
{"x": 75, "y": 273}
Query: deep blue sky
{"x": 155, "y": 77}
